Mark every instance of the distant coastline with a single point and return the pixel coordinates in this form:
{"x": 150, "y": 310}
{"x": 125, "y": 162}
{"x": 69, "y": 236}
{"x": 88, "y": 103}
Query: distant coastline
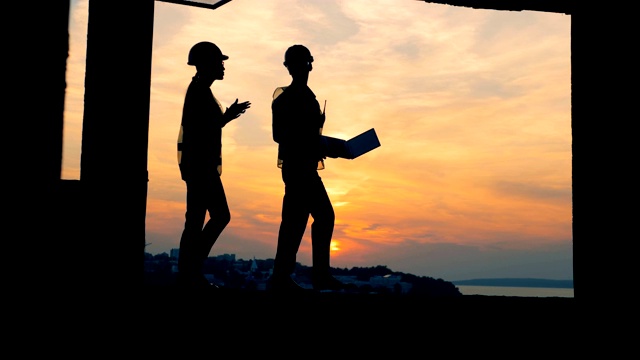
{"x": 517, "y": 282}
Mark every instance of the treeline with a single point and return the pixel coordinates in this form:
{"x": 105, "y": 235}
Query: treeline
{"x": 248, "y": 274}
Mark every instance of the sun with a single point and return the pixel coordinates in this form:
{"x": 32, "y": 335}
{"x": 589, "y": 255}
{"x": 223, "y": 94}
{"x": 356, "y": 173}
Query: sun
{"x": 335, "y": 246}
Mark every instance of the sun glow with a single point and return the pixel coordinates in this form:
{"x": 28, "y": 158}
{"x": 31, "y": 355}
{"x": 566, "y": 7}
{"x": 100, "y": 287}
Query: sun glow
{"x": 335, "y": 246}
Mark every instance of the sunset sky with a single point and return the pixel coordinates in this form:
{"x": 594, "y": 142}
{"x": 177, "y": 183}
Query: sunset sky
{"x": 472, "y": 108}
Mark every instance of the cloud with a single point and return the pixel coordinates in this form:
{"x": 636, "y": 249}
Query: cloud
{"x": 460, "y": 262}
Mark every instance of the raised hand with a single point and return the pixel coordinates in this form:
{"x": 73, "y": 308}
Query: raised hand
{"x": 236, "y": 109}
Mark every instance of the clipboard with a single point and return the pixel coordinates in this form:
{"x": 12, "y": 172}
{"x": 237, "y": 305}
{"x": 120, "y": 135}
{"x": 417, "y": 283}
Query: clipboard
{"x": 352, "y": 148}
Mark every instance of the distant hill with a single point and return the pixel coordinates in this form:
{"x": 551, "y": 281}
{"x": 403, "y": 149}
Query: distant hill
{"x": 517, "y": 282}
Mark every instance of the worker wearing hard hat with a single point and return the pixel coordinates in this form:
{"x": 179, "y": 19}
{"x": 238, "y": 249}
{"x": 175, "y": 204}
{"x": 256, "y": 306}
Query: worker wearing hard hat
{"x": 200, "y": 162}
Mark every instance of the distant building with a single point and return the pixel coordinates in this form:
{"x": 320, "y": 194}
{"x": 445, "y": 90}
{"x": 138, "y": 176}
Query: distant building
{"x": 227, "y": 257}
{"x": 389, "y": 282}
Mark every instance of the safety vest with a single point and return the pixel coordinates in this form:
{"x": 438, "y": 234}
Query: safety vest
{"x": 179, "y": 142}
{"x": 276, "y": 93}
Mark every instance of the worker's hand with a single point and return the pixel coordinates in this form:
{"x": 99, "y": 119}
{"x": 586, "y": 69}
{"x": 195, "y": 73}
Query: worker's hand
{"x": 236, "y": 109}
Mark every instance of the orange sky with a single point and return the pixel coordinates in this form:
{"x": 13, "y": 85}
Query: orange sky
{"x": 472, "y": 108}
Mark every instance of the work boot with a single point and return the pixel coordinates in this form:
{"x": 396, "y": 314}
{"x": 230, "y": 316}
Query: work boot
{"x": 284, "y": 284}
{"x": 327, "y": 282}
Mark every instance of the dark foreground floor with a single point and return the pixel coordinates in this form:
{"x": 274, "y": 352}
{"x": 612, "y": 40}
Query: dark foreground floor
{"x": 368, "y": 312}
{"x": 174, "y": 323}
{"x": 398, "y": 324}
{"x": 329, "y": 305}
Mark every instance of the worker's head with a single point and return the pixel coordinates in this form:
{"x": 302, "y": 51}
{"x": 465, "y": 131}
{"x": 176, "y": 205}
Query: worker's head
{"x": 204, "y": 53}
{"x": 298, "y": 57}
{"x": 208, "y": 60}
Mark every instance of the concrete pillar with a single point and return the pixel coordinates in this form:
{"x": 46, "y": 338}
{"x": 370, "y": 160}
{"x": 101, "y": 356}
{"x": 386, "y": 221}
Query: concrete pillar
{"x": 115, "y": 139}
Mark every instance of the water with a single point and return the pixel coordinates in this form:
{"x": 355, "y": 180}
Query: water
{"x": 515, "y": 291}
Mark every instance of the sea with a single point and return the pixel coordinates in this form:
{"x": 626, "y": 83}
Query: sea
{"x": 515, "y": 291}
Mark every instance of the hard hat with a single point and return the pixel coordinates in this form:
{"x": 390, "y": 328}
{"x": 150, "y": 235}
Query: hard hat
{"x": 205, "y": 52}
{"x": 297, "y": 54}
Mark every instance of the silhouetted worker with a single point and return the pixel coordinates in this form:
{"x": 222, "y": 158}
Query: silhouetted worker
{"x": 200, "y": 162}
{"x": 297, "y": 122}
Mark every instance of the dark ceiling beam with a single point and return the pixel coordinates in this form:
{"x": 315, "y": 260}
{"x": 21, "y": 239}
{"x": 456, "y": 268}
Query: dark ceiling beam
{"x": 557, "y": 6}
{"x": 196, "y": 3}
